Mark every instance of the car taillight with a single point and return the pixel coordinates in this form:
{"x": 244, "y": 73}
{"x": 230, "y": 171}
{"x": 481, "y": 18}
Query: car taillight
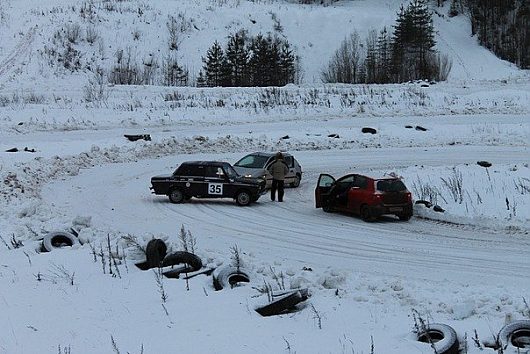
{"x": 409, "y": 197}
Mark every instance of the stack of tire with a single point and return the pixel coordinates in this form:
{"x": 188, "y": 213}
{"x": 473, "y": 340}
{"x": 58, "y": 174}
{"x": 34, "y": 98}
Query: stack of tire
{"x": 156, "y": 256}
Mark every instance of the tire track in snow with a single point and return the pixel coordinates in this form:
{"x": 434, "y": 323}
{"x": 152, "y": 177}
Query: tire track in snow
{"x": 18, "y": 52}
{"x": 372, "y": 243}
{"x": 296, "y": 231}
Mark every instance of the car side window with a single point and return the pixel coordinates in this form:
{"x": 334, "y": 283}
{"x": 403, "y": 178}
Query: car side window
{"x": 190, "y": 170}
{"x": 344, "y": 184}
{"x": 214, "y": 172}
{"x": 325, "y": 181}
{"x": 361, "y": 182}
{"x": 289, "y": 161}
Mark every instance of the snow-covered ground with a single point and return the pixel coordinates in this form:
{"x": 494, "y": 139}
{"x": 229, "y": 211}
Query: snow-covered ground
{"x": 467, "y": 267}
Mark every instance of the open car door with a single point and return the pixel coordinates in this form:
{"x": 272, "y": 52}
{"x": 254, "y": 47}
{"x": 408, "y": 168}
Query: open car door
{"x": 325, "y": 182}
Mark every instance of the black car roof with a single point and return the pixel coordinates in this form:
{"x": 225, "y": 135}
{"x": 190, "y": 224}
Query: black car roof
{"x": 206, "y": 163}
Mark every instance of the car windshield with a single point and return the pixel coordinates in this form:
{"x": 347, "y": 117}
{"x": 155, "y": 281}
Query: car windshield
{"x": 252, "y": 161}
{"x": 390, "y": 185}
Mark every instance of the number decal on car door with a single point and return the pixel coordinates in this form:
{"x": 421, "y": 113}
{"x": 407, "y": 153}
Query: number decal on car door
{"x": 215, "y": 188}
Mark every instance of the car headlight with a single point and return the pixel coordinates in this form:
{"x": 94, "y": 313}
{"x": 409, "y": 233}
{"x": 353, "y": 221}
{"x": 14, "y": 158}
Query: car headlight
{"x": 248, "y": 175}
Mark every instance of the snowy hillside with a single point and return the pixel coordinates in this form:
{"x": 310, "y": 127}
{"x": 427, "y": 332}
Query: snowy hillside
{"x": 30, "y": 43}
{"x": 66, "y": 166}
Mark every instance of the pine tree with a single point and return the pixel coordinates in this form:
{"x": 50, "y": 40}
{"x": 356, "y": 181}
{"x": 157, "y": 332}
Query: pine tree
{"x": 252, "y": 61}
{"x": 286, "y": 64}
{"x": 215, "y": 66}
{"x": 201, "y": 79}
{"x": 523, "y": 35}
{"x": 423, "y": 42}
{"x": 384, "y": 64}
{"x": 259, "y": 49}
{"x": 370, "y": 63}
{"x": 502, "y": 26}
{"x": 454, "y": 9}
{"x": 413, "y": 42}
{"x": 237, "y": 59}
{"x": 273, "y": 61}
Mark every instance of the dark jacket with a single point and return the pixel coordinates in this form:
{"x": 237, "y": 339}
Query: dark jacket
{"x": 278, "y": 169}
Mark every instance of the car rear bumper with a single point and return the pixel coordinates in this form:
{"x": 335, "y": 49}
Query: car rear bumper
{"x": 395, "y": 209}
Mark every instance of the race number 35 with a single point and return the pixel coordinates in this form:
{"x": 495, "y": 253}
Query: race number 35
{"x": 215, "y": 188}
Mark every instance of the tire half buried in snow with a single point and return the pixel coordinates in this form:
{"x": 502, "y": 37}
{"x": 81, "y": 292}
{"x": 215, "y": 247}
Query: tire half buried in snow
{"x": 229, "y": 277}
{"x": 516, "y": 335}
{"x": 440, "y": 336}
{"x": 283, "y": 304}
{"x": 58, "y": 239}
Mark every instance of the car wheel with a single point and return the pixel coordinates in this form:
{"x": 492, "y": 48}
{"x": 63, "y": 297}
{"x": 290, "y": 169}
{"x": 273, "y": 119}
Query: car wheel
{"x": 58, "y": 239}
{"x": 366, "y": 215}
{"x": 516, "y": 334}
{"x": 243, "y": 198}
{"x": 440, "y": 336}
{"x": 296, "y": 182}
{"x": 176, "y": 196}
{"x": 229, "y": 277}
{"x": 284, "y": 304}
{"x": 191, "y": 261}
{"x": 327, "y": 208}
{"x": 405, "y": 217}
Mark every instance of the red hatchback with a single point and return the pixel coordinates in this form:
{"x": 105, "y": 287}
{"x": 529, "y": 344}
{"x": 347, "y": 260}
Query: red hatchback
{"x": 364, "y": 196}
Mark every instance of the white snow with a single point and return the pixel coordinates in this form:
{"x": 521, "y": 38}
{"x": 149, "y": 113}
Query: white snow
{"x": 467, "y": 267}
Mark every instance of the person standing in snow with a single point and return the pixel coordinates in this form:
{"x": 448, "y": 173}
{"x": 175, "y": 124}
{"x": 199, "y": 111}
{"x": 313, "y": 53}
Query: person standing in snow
{"x": 278, "y": 170}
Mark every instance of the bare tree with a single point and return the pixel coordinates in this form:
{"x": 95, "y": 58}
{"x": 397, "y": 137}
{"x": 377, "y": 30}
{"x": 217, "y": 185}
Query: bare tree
{"x": 345, "y": 65}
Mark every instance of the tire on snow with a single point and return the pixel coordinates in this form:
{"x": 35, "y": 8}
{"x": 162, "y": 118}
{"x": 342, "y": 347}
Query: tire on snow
{"x": 296, "y": 182}
{"x": 58, "y": 239}
{"x": 191, "y": 261}
{"x": 229, "y": 277}
{"x": 243, "y": 198}
{"x": 516, "y": 335}
{"x": 303, "y": 291}
{"x": 284, "y": 303}
{"x": 155, "y": 251}
{"x": 441, "y": 336}
{"x": 366, "y": 215}
{"x": 176, "y": 196}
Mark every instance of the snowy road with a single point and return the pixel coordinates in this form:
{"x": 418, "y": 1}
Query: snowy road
{"x": 118, "y": 196}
